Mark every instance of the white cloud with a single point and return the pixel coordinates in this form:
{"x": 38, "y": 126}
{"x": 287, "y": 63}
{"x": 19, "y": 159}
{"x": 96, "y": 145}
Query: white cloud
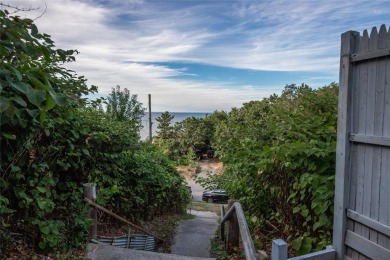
{"x": 117, "y": 38}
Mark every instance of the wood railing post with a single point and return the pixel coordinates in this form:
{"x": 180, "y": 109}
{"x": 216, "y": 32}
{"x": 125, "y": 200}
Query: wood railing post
{"x": 279, "y": 249}
{"x": 90, "y": 193}
{"x": 233, "y": 233}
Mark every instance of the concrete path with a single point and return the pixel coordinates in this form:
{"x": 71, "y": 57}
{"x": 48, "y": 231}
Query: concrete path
{"x": 107, "y": 252}
{"x": 193, "y": 236}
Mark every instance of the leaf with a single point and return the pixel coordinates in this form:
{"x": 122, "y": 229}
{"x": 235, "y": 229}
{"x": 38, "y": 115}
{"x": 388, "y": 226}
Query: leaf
{"x": 38, "y": 84}
{"x": 42, "y": 244}
{"x": 304, "y": 212}
{"x": 41, "y": 189}
{"x": 42, "y": 204}
{"x": 42, "y": 116}
{"x": 45, "y": 230}
{"x": 60, "y": 99}
{"x": 85, "y": 151}
{"x": 32, "y": 98}
{"x": 9, "y": 136}
{"x": 34, "y": 30}
{"x": 306, "y": 245}
{"x": 40, "y": 95}
{"x": 19, "y": 100}
{"x": 4, "y": 103}
{"x": 49, "y": 103}
{"x": 21, "y": 86}
{"x": 296, "y": 243}
{"x": 316, "y": 225}
{"x": 75, "y": 134}
{"x": 33, "y": 113}
{"x": 17, "y": 73}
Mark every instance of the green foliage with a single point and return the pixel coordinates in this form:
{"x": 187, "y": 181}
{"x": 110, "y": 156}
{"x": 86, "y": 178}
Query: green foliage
{"x": 181, "y": 140}
{"x": 279, "y": 161}
{"x": 164, "y": 125}
{"x": 122, "y": 106}
{"x": 53, "y": 141}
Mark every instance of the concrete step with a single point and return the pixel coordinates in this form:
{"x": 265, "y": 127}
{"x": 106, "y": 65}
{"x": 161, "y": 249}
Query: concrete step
{"x": 107, "y": 252}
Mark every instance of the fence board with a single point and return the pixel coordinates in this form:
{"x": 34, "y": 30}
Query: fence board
{"x": 361, "y": 113}
{"x": 363, "y": 158}
{"x": 342, "y": 152}
{"x": 373, "y": 224}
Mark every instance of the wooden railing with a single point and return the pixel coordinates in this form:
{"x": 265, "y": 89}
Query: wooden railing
{"x": 237, "y": 226}
{"x": 90, "y": 197}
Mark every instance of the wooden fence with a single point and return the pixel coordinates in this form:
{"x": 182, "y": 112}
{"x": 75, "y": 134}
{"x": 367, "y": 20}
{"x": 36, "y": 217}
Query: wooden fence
{"x": 362, "y": 196}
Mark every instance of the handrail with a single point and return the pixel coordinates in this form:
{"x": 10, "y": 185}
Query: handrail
{"x": 222, "y": 226}
{"x": 247, "y": 242}
{"x": 97, "y": 206}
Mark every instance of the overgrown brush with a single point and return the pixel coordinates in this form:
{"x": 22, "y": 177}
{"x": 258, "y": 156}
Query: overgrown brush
{"x": 53, "y": 140}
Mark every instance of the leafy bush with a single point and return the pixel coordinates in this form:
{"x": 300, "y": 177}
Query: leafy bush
{"x": 279, "y": 161}
{"x": 53, "y": 140}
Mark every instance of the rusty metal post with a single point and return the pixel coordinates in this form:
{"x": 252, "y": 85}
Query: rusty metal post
{"x": 233, "y": 233}
{"x": 90, "y": 193}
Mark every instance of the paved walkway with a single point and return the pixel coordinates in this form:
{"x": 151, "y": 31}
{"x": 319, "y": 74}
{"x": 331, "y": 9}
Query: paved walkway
{"x": 193, "y": 236}
{"x": 107, "y": 252}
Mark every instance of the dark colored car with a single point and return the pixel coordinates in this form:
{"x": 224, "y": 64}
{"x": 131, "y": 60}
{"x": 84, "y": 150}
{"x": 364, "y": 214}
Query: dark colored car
{"x": 217, "y": 195}
{"x": 198, "y": 154}
{"x": 210, "y": 153}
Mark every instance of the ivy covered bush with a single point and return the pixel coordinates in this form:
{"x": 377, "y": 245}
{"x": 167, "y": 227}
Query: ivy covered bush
{"x": 279, "y": 162}
{"x": 53, "y": 140}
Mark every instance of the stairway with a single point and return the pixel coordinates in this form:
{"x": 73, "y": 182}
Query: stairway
{"x": 107, "y": 252}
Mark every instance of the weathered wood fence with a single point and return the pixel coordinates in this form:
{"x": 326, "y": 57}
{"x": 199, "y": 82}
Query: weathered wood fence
{"x": 362, "y": 197}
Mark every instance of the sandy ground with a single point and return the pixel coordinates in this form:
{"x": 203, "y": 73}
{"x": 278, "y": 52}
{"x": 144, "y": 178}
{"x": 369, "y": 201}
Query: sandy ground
{"x": 212, "y": 166}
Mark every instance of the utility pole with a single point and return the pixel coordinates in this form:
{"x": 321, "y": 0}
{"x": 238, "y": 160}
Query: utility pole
{"x": 150, "y": 118}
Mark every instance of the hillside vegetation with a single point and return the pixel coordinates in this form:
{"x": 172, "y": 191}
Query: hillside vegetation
{"x": 53, "y": 140}
{"x": 279, "y": 161}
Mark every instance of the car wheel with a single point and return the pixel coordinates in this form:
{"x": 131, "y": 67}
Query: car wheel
{"x": 210, "y": 200}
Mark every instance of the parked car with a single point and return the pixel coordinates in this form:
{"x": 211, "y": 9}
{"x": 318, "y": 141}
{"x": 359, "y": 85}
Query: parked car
{"x": 218, "y": 195}
{"x": 198, "y": 154}
{"x": 210, "y": 153}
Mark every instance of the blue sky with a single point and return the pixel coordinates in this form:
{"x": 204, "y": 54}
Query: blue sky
{"x": 204, "y": 55}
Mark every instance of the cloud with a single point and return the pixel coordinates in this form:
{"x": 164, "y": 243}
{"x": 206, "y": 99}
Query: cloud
{"x": 120, "y": 40}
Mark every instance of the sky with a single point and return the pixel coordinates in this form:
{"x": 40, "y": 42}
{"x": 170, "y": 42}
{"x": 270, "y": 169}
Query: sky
{"x": 203, "y": 55}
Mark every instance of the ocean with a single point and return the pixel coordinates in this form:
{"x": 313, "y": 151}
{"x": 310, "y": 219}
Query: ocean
{"x": 179, "y": 116}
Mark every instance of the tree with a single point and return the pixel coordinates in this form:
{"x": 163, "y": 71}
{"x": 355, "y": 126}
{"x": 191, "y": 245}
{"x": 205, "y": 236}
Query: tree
{"x": 164, "y": 125}
{"x": 123, "y": 106}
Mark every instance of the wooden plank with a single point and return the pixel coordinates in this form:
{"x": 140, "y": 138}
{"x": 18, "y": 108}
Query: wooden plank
{"x": 370, "y": 55}
{"x": 384, "y": 208}
{"x": 366, "y": 247}
{"x": 362, "y": 80}
{"x": 369, "y": 139}
{"x": 279, "y": 250}
{"x": 371, "y": 223}
{"x": 327, "y": 254}
{"x": 348, "y": 42}
{"x": 236, "y": 211}
{"x": 378, "y": 131}
{"x": 356, "y": 96}
{"x": 246, "y": 239}
{"x": 369, "y": 154}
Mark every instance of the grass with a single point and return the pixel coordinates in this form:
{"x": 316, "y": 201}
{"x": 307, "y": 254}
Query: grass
{"x": 204, "y": 206}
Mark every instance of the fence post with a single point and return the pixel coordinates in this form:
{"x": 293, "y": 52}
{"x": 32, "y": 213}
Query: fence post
{"x": 279, "y": 249}
{"x": 233, "y": 234}
{"x": 90, "y": 193}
